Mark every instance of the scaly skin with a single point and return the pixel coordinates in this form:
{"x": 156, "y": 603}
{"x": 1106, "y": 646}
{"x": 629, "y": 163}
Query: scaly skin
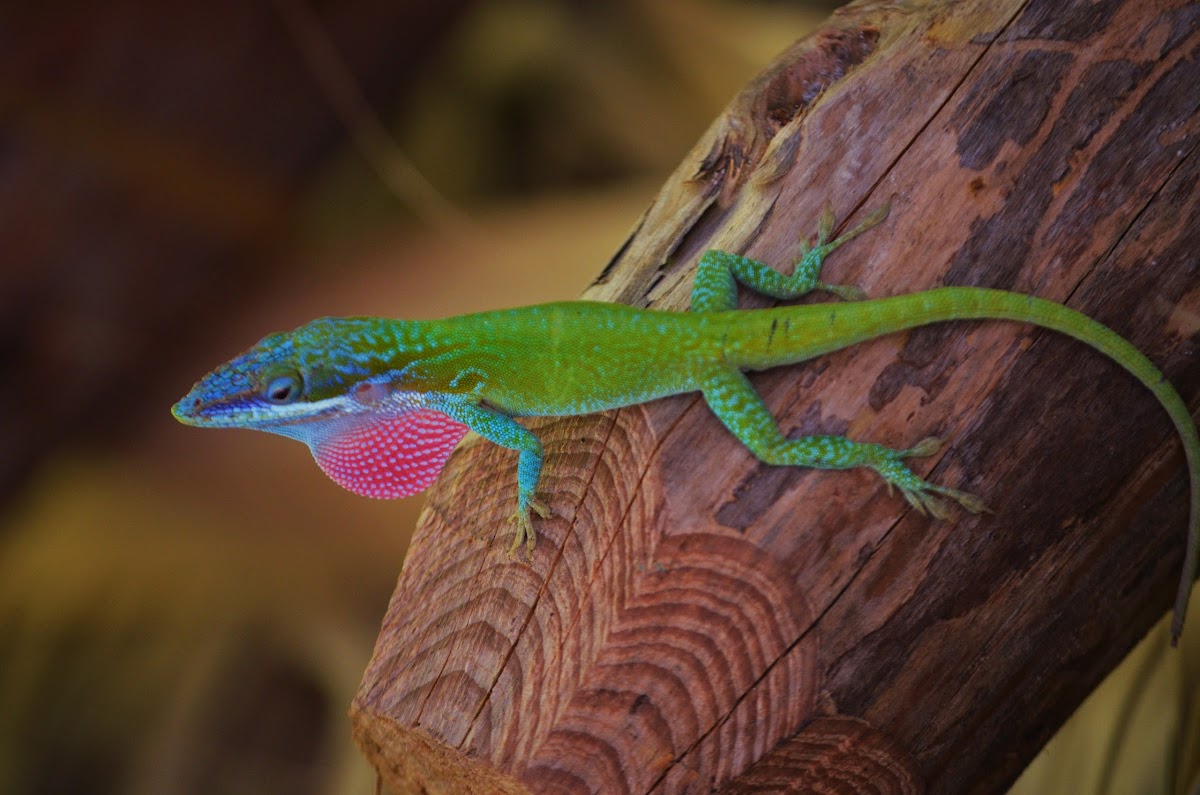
{"x": 381, "y": 403}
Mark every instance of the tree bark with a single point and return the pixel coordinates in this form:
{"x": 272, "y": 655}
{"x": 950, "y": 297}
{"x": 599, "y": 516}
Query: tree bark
{"x": 693, "y": 620}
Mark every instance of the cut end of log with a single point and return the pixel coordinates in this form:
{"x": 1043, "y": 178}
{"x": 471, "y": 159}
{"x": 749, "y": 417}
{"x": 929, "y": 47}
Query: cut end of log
{"x": 410, "y": 760}
{"x": 833, "y": 754}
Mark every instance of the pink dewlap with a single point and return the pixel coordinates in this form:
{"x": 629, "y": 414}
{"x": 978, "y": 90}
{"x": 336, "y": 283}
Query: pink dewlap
{"x": 388, "y": 457}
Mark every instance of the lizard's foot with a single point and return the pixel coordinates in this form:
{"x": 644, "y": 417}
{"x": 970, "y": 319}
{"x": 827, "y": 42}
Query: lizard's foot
{"x": 921, "y": 494}
{"x": 923, "y": 500}
{"x": 524, "y": 533}
{"x": 846, "y": 292}
{"x": 825, "y": 225}
{"x": 812, "y": 256}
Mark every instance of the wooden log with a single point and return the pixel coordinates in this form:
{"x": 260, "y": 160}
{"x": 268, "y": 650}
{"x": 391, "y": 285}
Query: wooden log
{"x": 695, "y": 621}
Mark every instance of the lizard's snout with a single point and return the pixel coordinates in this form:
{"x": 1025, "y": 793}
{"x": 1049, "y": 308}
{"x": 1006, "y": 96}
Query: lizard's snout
{"x": 189, "y": 410}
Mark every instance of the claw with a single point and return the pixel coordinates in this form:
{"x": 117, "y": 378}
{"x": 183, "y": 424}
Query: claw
{"x": 846, "y": 292}
{"x": 825, "y": 224}
{"x": 925, "y": 503}
{"x": 926, "y": 447}
{"x": 937, "y": 508}
{"x": 871, "y": 220}
{"x": 876, "y": 216}
{"x": 911, "y": 498}
{"x": 524, "y": 533}
{"x": 540, "y": 508}
{"x": 967, "y": 500}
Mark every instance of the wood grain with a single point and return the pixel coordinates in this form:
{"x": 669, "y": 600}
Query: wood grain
{"x": 694, "y": 621}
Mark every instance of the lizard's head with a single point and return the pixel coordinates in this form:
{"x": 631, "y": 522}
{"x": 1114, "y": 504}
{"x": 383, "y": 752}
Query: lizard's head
{"x": 330, "y": 385}
{"x": 286, "y": 380}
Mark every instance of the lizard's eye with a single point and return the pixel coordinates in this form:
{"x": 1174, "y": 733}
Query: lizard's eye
{"x": 283, "y": 389}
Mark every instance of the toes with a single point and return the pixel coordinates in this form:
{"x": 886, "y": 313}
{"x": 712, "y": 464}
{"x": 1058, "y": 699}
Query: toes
{"x": 541, "y": 509}
{"x": 825, "y": 225}
{"x": 846, "y": 292}
{"x": 925, "y": 502}
{"x": 912, "y": 498}
{"x": 926, "y": 447}
{"x": 876, "y": 217}
{"x": 522, "y": 533}
{"x": 965, "y": 499}
{"x": 937, "y": 508}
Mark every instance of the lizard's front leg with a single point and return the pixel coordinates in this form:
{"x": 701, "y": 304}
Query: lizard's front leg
{"x": 507, "y": 432}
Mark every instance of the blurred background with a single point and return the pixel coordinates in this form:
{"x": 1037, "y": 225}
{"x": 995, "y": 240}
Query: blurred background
{"x": 190, "y": 612}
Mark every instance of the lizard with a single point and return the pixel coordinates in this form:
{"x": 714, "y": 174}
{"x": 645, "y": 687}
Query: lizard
{"x": 382, "y": 403}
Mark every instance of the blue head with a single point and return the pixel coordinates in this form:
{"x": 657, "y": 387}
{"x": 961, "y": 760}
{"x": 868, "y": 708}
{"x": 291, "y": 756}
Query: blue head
{"x": 288, "y": 380}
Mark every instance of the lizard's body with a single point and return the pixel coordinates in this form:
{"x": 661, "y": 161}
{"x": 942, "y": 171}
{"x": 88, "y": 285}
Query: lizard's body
{"x": 382, "y": 403}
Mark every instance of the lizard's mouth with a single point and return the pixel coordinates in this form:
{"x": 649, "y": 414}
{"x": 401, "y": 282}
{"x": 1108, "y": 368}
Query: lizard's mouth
{"x": 203, "y": 409}
{"x": 194, "y": 410}
{"x": 250, "y": 412}
{"x": 186, "y": 411}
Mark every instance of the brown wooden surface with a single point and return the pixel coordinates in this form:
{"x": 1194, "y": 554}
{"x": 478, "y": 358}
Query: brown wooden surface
{"x": 695, "y": 621}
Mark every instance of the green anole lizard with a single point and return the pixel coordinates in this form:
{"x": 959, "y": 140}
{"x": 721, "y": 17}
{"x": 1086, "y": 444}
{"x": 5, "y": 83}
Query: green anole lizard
{"x": 382, "y": 403}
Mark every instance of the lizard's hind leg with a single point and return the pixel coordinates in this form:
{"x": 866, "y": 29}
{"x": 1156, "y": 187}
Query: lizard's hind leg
{"x": 740, "y": 408}
{"x": 719, "y": 272}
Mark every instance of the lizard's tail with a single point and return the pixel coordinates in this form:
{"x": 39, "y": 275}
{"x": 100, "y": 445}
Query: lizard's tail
{"x": 790, "y": 334}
